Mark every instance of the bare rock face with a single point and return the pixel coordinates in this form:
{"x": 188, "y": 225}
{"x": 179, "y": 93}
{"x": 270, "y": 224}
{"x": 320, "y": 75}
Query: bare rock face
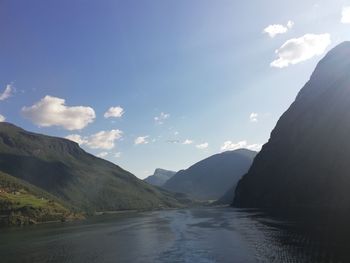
{"x": 306, "y": 162}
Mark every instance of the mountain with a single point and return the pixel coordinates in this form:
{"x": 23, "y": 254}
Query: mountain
{"x": 62, "y": 168}
{"x": 305, "y": 163}
{"x": 210, "y": 178}
{"x": 227, "y": 198}
{"x": 22, "y": 203}
{"x": 159, "y": 177}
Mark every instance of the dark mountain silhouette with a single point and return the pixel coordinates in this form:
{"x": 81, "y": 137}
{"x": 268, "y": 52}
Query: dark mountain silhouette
{"x": 227, "y": 198}
{"x": 306, "y": 162}
{"x": 210, "y": 178}
{"x": 62, "y": 168}
{"x": 159, "y": 177}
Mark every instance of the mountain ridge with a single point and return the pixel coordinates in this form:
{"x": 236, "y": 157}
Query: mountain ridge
{"x": 159, "y": 177}
{"x": 211, "y": 177}
{"x": 62, "y": 168}
{"x": 305, "y": 161}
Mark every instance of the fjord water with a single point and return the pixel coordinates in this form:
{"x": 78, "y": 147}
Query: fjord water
{"x": 193, "y": 235}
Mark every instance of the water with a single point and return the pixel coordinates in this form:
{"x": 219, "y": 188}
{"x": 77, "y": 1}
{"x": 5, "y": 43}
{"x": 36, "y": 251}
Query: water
{"x": 202, "y": 235}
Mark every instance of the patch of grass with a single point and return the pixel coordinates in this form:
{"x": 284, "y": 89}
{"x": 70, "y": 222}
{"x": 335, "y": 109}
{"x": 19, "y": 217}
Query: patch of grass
{"x": 22, "y": 203}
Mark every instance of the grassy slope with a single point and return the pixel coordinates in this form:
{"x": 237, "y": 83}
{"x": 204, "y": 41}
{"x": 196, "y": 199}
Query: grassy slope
{"x": 22, "y": 203}
{"x": 62, "y": 168}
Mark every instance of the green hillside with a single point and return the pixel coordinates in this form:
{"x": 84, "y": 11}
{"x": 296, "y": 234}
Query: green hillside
{"x": 62, "y": 168}
{"x": 22, "y": 203}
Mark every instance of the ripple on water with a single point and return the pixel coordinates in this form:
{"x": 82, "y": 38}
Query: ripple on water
{"x": 208, "y": 235}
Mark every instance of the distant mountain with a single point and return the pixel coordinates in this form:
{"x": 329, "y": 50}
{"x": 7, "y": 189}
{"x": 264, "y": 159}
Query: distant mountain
{"x": 210, "y": 178}
{"x": 159, "y": 177}
{"x": 306, "y": 162}
{"x": 62, "y": 168}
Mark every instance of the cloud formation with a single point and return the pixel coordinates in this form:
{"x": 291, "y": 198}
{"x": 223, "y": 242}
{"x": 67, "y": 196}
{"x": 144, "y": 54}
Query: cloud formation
{"x": 101, "y": 140}
{"x": 161, "y": 118}
{"x": 254, "y": 147}
{"x": 345, "y": 15}
{"x": 300, "y": 49}
{"x": 187, "y": 141}
{"x": 202, "y": 145}
{"x": 276, "y": 29}
{"x": 231, "y": 146}
{"x": 2, "y": 118}
{"x": 141, "y": 140}
{"x": 253, "y": 117}
{"x": 7, "y": 92}
{"x": 104, "y": 139}
{"x": 114, "y": 112}
{"x": 76, "y": 138}
{"x": 52, "y": 111}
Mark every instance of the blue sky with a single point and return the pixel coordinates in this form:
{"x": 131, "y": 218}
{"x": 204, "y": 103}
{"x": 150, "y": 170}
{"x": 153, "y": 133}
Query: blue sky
{"x": 194, "y": 71}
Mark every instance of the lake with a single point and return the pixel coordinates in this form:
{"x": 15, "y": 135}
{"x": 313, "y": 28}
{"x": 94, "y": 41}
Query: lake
{"x": 193, "y": 235}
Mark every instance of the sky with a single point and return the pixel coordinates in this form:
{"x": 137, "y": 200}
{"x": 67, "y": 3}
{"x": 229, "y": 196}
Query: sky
{"x": 160, "y": 84}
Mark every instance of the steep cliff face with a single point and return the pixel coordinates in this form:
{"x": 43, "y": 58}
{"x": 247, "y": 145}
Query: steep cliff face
{"x": 306, "y": 162}
{"x": 210, "y": 178}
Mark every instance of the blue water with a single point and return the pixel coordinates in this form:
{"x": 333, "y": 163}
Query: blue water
{"x": 199, "y": 235}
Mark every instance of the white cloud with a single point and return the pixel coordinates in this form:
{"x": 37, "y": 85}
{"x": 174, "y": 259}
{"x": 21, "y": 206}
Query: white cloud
{"x": 300, "y": 49}
{"x": 253, "y": 117}
{"x": 115, "y": 112}
{"x": 76, "y": 138}
{"x": 161, "y": 118}
{"x": 273, "y": 30}
{"x": 231, "y": 146}
{"x": 202, "y": 145}
{"x": 254, "y": 147}
{"x": 290, "y": 24}
{"x": 101, "y": 140}
{"x": 187, "y": 141}
{"x": 2, "y": 118}
{"x": 345, "y": 15}
{"x": 52, "y": 111}
{"x": 276, "y": 29}
{"x": 141, "y": 140}
{"x": 104, "y": 139}
{"x": 7, "y": 92}
{"x": 102, "y": 154}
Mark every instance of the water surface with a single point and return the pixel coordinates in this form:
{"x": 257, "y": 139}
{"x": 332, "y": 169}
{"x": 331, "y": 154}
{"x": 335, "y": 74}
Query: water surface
{"x": 195, "y": 235}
